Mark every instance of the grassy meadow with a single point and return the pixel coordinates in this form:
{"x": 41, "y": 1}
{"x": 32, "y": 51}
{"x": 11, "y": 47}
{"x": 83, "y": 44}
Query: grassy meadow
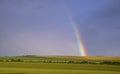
{"x": 57, "y": 65}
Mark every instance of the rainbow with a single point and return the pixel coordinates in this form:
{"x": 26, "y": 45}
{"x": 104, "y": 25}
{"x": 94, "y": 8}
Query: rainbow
{"x": 80, "y": 44}
{"x": 79, "y": 39}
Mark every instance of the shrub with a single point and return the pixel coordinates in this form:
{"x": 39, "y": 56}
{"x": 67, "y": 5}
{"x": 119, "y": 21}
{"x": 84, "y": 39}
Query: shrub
{"x": 16, "y": 60}
{"x": 84, "y": 62}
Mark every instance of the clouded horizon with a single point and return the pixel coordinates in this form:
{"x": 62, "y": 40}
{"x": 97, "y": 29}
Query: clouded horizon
{"x": 42, "y": 27}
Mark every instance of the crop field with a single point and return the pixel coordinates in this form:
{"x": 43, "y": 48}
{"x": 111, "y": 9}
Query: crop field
{"x": 52, "y": 68}
{"x": 33, "y": 65}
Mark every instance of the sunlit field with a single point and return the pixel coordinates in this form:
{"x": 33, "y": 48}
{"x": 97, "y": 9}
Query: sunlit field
{"x": 52, "y": 68}
{"x": 33, "y": 65}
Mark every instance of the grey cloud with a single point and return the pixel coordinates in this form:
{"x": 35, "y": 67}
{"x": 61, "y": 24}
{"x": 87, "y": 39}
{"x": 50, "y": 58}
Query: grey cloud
{"x": 112, "y": 9}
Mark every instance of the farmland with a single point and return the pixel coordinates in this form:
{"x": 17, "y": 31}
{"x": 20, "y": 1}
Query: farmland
{"x": 56, "y": 65}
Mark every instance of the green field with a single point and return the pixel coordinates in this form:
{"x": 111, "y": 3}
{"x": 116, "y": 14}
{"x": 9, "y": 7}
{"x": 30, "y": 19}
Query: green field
{"x": 52, "y": 68}
{"x": 33, "y": 65}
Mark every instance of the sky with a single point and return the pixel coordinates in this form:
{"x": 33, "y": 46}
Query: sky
{"x": 43, "y": 27}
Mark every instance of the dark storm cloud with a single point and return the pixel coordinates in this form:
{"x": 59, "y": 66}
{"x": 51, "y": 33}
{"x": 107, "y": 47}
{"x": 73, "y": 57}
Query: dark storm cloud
{"x": 100, "y": 27}
{"x": 110, "y": 10}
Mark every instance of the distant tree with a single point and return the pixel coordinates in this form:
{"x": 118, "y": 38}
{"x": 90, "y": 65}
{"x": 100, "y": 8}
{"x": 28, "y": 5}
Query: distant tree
{"x": 70, "y": 61}
{"x": 12, "y": 60}
{"x": 19, "y": 60}
{"x": 84, "y": 62}
{"x": 116, "y": 63}
{"x": 7, "y": 60}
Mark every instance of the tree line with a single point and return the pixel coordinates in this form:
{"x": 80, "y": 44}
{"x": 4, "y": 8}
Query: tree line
{"x": 67, "y": 62}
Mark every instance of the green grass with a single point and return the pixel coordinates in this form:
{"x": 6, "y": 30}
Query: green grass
{"x": 31, "y": 65}
{"x": 52, "y": 68}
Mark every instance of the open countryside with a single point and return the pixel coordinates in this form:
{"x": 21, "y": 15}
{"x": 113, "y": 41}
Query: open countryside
{"x": 59, "y": 65}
